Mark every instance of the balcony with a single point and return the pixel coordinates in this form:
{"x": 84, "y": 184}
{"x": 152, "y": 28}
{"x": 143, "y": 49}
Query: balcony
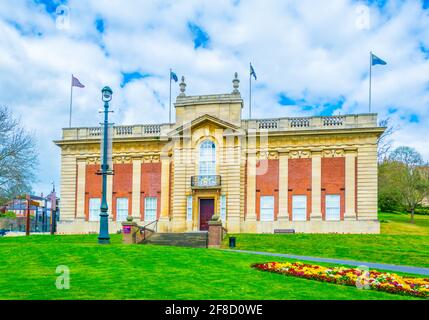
{"x": 205, "y": 182}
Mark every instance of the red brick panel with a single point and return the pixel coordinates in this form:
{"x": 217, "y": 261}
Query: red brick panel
{"x": 122, "y": 185}
{"x": 333, "y": 181}
{"x": 92, "y": 185}
{"x": 267, "y": 184}
{"x": 299, "y": 182}
{"x": 151, "y": 185}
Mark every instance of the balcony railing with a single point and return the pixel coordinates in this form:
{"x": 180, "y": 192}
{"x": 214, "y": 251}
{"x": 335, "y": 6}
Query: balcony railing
{"x": 313, "y": 123}
{"x": 204, "y": 181}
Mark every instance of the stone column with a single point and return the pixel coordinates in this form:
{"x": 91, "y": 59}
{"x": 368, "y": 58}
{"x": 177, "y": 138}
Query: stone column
{"x": 316, "y": 184}
{"x": 283, "y": 185}
{"x": 251, "y": 187}
{"x": 350, "y": 180}
{"x": 136, "y": 185}
{"x": 165, "y": 189}
{"x": 80, "y": 189}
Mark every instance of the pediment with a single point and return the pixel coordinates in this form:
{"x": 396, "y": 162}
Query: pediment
{"x": 205, "y": 120}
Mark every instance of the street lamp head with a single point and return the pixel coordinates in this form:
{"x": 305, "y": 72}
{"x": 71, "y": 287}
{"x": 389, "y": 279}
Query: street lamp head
{"x": 106, "y": 94}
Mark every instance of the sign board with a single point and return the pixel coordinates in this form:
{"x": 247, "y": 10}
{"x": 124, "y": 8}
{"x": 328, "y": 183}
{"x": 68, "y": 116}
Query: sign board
{"x": 126, "y": 229}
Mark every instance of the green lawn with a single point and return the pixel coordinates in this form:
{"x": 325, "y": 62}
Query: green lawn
{"x": 27, "y": 271}
{"x": 399, "y": 242}
{"x": 27, "y": 265}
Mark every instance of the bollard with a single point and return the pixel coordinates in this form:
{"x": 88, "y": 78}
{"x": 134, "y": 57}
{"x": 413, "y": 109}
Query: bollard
{"x": 232, "y": 242}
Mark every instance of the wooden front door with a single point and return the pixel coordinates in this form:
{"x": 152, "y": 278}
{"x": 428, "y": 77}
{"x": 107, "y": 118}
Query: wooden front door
{"x": 206, "y": 212}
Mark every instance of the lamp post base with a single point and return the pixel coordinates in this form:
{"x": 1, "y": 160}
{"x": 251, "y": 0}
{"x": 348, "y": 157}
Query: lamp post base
{"x": 104, "y": 240}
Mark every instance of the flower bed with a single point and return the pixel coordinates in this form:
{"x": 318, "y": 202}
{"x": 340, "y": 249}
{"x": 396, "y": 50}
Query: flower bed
{"x": 370, "y": 279}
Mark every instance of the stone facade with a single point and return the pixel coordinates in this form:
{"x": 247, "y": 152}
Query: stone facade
{"x": 254, "y": 171}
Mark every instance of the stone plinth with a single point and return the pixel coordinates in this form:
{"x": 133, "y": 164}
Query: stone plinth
{"x": 215, "y": 233}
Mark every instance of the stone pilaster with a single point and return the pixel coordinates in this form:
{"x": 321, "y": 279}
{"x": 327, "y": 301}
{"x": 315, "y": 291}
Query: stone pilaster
{"x": 136, "y": 191}
{"x": 316, "y": 184}
{"x": 80, "y": 189}
{"x": 350, "y": 183}
{"x": 165, "y": 189}
{"x": 251, "y": 187}
{"x": 283, "y": 186}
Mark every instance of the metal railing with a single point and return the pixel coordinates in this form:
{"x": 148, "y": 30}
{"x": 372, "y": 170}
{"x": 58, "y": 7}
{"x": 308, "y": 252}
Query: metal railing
{"x": 144, "y": 228}
{"x": 205, "y": 181}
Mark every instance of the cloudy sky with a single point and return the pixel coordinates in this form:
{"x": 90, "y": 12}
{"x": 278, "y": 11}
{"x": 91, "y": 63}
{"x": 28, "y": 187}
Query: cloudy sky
{"x": 310, "y": 57}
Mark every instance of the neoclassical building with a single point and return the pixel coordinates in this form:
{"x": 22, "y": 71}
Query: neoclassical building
{"x": 311, "y": 174}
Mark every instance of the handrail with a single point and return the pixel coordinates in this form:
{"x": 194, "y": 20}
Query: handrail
{"x": 143, "y": 228}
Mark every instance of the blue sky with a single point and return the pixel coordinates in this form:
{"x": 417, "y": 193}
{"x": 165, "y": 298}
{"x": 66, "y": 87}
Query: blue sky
{"x": 311, "y": 58}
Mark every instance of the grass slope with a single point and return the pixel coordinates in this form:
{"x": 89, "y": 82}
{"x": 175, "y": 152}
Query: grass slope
{"x": 27, "y": 271}
{"x": 399, "y": 243}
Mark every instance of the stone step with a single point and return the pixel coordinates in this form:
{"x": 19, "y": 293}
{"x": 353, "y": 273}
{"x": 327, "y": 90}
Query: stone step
{"x": 188, "y": 239}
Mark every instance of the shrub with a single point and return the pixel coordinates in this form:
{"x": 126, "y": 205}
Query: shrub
{"x": 8, "y": 214}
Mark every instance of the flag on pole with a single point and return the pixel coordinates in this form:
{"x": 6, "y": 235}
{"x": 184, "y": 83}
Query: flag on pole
{"x": 76, "y": 82}
{"x": 173, "y": 76}
{"x": 252, "y": 71}
{"x": 376, "y": 60}
{"x": 373, "y": 61}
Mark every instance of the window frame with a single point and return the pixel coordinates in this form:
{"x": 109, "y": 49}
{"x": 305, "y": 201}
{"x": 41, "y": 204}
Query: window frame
{"x": 146, "y": 209}
{"x": 262, "y": 215}
{"x": 94, "y": 208}
{"x": 207, "y": 158}
{"x": 189, "y": 205}
{"x": 329, "y": 217}
{"x": 300, "y": 216}
{"x": 121, "y": 209}
{"x": 222, "y": 206}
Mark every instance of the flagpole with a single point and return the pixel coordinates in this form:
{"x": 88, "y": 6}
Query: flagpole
{"x": 71, "y": 101}
{"x": 250, "y": 91}
{"x": 169, "y": 115}
{"x": 370, "y": 80}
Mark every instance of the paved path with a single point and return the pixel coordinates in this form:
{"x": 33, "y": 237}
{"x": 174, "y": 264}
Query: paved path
{"x": 381, "y": 266}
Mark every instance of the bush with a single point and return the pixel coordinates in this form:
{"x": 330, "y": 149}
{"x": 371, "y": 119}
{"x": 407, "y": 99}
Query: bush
{"x": 8, "y": 214}
{"x": 388, "y": 201}
{"x": 422, "y": 210}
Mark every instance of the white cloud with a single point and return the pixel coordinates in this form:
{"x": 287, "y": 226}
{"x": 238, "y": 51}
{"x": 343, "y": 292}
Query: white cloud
{"x": 306, "y": 49}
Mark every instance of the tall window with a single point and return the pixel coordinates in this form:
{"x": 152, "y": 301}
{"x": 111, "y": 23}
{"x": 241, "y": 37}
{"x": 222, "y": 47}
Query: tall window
{"x": 332, "y": 207}
{"x": 150, "y": 204}
{"x": 223, "y": 207}
{"x": 207, "y": 165}
{"x": 189, "y": 208}
{"x": 267, "y": 208}
{"x": 299, "y": 208}
{"x": 94, "y": 209}
{"x": 121, "y": 209}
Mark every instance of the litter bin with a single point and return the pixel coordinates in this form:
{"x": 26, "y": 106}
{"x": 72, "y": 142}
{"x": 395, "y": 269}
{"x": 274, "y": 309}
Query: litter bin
{"x": 232, "y": 242}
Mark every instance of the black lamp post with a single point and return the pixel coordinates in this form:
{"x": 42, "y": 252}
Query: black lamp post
{"x": 103, "y": 237}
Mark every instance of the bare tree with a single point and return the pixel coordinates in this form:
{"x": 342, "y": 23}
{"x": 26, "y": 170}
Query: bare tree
{"x": 18, "y": 157}
{"x": 412, "y": 180}
{"x": 385, "y": 141}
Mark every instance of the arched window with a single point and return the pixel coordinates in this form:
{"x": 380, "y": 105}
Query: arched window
{"x": 207, "y": 165}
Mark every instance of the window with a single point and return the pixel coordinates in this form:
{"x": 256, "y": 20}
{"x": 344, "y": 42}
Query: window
{"x": 223, "y": 207}
{"x": 299, "y": 208}
{"x": 207, "y": 164}
{"x": 150, "y": 208}
{"x": 94, "y": 209}
{"x": 332, "y": 207}
{"x": 267, "y": 208}
{"x": 121, "y": 209}
{"x": 189, "y": 208}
